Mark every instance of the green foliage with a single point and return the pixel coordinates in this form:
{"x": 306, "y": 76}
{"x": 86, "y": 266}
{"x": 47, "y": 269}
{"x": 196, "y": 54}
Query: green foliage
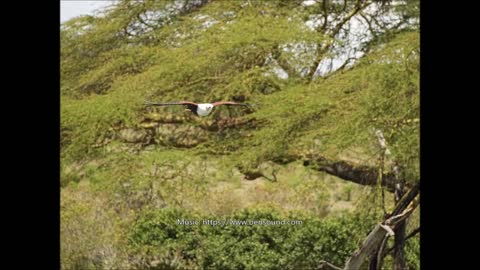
{"x": 215, "y": 70}
{"x": 412, "y": 252}
{"x": 383, "y": 94}
{"x": 156, "y": 235}
{"x": 204, "y": 68}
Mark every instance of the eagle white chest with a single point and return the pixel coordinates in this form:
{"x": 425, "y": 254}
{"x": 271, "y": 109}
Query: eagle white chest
{"x": 204, "y": 109}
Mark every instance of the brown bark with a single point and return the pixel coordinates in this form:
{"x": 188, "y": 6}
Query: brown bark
{"x": 410, "y": 235}
{"x": 400, "y": 232}
{"x": 379, "y": 255}
{"x": 399, "y": 244}
{"x": 359, "y": 174}
{"x": 324, "y": 265}
{"x": 369, "y": 246}
{"x": 378, "y": 234}
{"x": 376, "y": 239}
{"x": 325, "y": 15}
{"x": 363, "y": 175}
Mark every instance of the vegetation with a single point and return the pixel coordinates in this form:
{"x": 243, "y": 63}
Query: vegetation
{"x": 255, "y": 246}
{"x": 128, "y": 172}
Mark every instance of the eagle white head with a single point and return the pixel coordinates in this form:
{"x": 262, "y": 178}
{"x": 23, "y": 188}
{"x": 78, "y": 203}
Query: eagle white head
{"x": 204, "y": 109}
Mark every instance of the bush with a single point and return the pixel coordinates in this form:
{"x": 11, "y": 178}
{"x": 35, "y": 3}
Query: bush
{"x": 156, "y": 237}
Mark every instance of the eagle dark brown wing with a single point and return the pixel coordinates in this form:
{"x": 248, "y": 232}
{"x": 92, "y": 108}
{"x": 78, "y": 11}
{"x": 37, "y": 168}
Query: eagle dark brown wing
{"x": 218, "y": 103}
{"x": 170, "y": 103}
{"x": 192, "y": 106}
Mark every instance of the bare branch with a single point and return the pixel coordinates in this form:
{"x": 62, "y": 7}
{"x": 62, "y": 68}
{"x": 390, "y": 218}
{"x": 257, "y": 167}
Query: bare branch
{"x": 413, "y": 233}
{"x": 362, "y": 175}
{"x": 322, "y": 50}
{"x": 324, "y": 265}
{"x": 325, "y": 15}
{"x": 378, "y": 234}
{"x": 380, "y": 252}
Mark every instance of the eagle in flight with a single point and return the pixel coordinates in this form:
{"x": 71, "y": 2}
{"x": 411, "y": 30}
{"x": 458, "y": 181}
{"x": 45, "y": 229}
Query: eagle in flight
{"x": 199, "y": 109}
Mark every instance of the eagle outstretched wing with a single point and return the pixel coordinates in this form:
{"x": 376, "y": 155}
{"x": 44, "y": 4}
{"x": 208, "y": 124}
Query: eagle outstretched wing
{"x": 170, "y": 103}
{"x": 192, "y": 106}
{"x": 218, "y": 103}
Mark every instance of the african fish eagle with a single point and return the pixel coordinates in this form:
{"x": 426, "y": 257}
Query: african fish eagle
{"x": 199, "y": 109}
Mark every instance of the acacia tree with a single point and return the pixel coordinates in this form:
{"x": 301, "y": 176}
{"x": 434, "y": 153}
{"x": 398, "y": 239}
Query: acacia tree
{"x": 338, "y": 84}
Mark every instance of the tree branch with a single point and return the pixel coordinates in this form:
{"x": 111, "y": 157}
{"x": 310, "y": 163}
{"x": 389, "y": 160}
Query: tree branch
{"x": 405, "y": 200}
{"x": 325, "y": 15}
{"x": 139, "y": 17}
{"x": 380, "y": 253}
{"x": 413, "y": 233}
{"x": 377, "y": 235}
{"x": 363, "y": 175}
{"x": 369, "y": 24}
{"x": 324, "y": 265}
{"x": 359, "y": 7}
{"x": 322, "y": 50}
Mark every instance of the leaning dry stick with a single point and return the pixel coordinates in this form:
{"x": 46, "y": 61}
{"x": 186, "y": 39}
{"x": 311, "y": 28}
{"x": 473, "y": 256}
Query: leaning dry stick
{"x": 375, "y": 238}
{"x": 404, "y": 209}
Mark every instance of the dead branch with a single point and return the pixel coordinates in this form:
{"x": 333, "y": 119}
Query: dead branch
{"x": 324, "y": 265}
{"x": 375, "y": 238}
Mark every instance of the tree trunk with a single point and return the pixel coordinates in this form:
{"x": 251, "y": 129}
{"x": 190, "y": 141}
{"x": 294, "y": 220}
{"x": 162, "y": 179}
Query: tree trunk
{"x": 371, "y": 243}
{"x": 376, "y": 260}
{"x": 399, "y": 252}
{"x": 377, "y": 238}
{"x": 378, "y": 234}
{"x": 400, "y": 233}
{"x": 363, "y": 175}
